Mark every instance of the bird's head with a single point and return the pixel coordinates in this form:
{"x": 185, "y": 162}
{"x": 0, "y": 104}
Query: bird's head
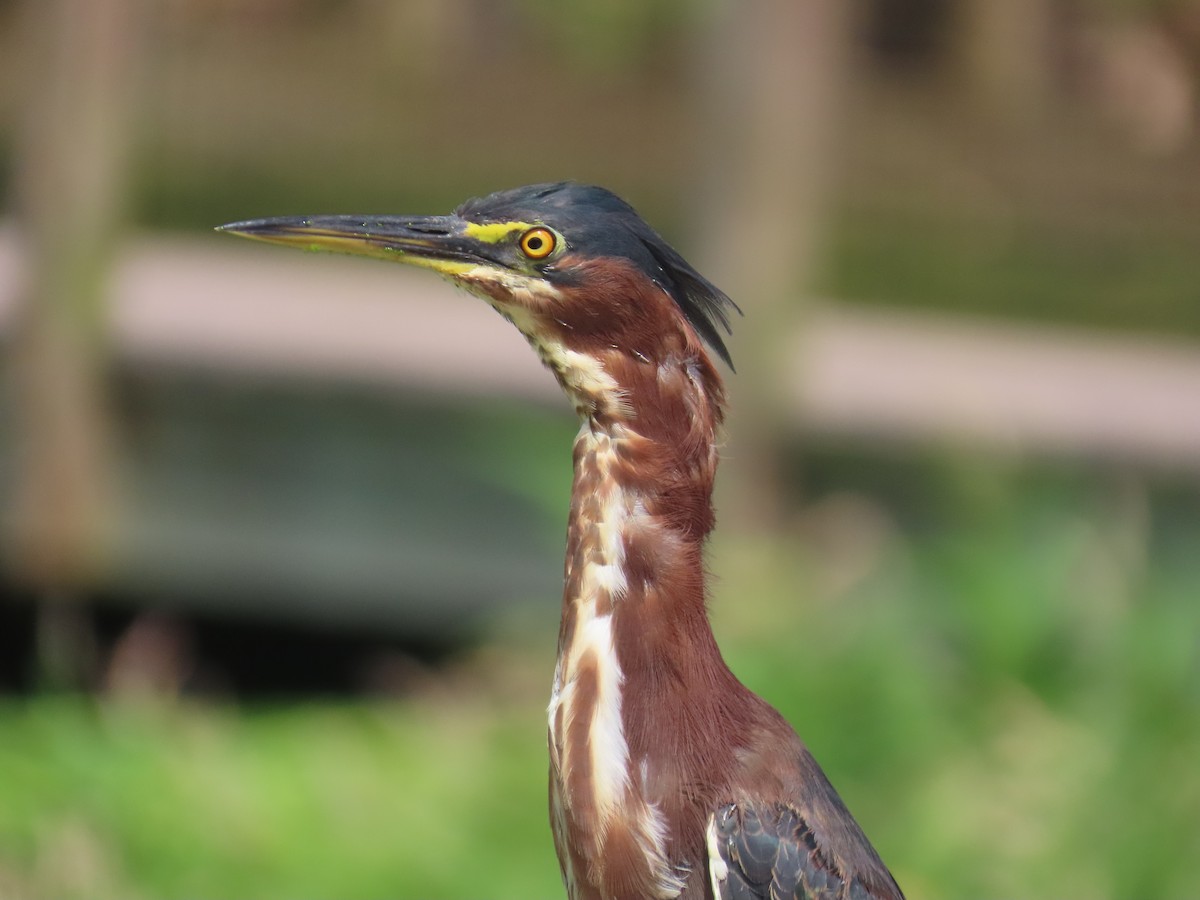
{"x": 596, "y": 290}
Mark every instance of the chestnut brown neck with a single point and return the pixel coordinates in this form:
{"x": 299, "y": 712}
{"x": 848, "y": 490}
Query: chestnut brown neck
{"x": 645, "y": 461}
{"x": 634, "y": 639}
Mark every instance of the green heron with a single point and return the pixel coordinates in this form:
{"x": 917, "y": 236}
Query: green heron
{"x": 668, "y": 777}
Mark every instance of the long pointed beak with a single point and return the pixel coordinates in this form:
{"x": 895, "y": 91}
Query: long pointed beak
{"x": 435, "y": 242}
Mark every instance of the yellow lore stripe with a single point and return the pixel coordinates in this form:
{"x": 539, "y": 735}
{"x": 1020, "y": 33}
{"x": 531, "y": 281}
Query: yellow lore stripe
{"x": 494, "y": 232}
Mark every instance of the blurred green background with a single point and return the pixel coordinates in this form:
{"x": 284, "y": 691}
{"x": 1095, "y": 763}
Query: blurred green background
{"x": 273, "y": 626}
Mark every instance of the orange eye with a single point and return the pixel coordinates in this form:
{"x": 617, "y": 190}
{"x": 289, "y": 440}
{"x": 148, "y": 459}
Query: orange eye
{"x": 538, "y": 243}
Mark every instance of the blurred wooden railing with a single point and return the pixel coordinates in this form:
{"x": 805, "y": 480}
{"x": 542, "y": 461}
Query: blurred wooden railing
{"x": 854, "y": 372}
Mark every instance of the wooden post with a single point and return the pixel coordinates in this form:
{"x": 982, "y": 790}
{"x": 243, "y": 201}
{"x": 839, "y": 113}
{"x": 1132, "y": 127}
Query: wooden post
{"x": 771, "y": 76}
{"x": 69, "y": 188}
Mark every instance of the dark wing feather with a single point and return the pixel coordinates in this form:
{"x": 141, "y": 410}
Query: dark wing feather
{"x": 770, "y": 853}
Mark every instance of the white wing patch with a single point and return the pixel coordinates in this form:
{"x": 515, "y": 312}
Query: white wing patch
{"x": 718, "y": 869}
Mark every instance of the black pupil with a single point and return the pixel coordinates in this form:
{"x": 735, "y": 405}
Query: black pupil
{"x": 534, "y": 243}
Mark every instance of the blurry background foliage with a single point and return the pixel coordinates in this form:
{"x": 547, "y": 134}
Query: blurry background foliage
{"x": 995, "y": 654}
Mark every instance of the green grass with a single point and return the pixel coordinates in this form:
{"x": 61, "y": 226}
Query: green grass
{"x": 1005, "y": 681}
{"x": 355, "y": 800}
{"x": 997, "y": 666}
